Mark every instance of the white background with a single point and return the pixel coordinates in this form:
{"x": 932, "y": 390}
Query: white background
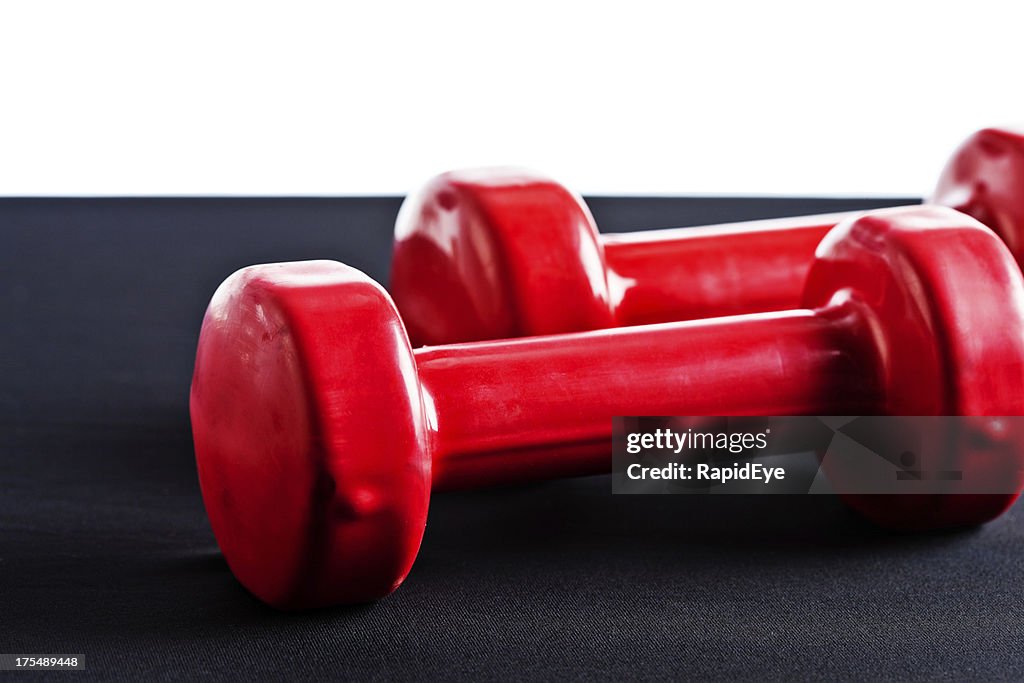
{"x": 809, "y": 98}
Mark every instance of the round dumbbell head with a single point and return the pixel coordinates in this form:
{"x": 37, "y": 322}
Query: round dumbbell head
{"x": 942, "y": 305}
{"x": 985, "y": 179}
{"x": 497, "y": 253}
{"x": 309, "y": 434}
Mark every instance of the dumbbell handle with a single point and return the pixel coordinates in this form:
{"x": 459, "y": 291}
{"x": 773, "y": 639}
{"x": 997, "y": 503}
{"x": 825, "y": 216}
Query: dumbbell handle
{"x": 710, "y": 271}
{"x": 542, "y": 407}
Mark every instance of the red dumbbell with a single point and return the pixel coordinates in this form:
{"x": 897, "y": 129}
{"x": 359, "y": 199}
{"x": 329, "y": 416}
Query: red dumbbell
{"x": 319, "y": 432}
{"x": 494, "y": 254}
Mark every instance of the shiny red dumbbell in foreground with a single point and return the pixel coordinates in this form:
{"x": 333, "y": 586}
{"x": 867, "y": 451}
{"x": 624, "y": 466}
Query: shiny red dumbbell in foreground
{"x": 319, "y": 432}
{"x": 492, "y": 254}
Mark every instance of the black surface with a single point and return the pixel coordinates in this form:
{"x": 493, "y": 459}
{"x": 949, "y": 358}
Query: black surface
{"x": 105, "y": 549}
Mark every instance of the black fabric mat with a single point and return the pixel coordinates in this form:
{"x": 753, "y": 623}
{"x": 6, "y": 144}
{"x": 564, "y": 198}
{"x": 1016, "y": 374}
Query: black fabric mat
{"x": 105, "y": 549}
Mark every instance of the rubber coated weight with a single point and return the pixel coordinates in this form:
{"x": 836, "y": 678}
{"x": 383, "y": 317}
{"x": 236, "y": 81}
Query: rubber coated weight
{"x": 459, "y": 250}
{"x": 311, "y": 440}
{"x": 985, "y": 178}
{"x": 501, "y": 253}
{"x": 319, "y": 431}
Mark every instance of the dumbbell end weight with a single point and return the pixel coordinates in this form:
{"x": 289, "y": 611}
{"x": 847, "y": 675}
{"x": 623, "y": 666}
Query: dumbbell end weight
{"x": 310, "y": 435}
{"x": 497, "y": 253}
{"x": 984, "y": 178}
{"x": 944, "y": 301}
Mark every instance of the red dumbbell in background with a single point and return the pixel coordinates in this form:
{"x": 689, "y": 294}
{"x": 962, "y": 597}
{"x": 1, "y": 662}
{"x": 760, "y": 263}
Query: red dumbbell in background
{"x": 492, "y": 254}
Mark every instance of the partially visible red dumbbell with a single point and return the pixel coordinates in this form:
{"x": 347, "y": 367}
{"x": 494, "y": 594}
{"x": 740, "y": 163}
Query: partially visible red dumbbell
{"x": 319, "y": 432}
{"x": 499, "y": 253}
